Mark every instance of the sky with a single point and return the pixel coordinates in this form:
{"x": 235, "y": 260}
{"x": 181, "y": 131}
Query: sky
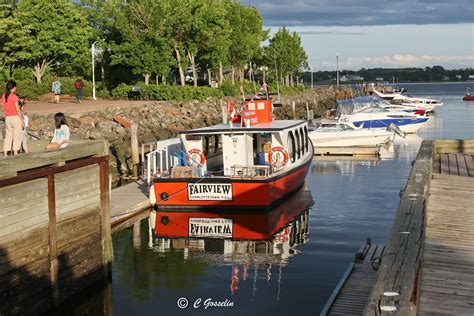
{"x": 377, "y": 33}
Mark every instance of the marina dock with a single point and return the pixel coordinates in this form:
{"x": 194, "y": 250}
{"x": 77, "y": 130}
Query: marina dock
{"x": 129, "y": 204}
{"x": 55, "y": 237}
{"x": 428, "y": 263}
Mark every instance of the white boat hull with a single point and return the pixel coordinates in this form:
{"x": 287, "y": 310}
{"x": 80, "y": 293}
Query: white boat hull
{"x": 364, "y": 137}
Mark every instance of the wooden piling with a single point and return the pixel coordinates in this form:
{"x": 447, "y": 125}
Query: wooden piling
{"x": 293, "y": 109}
{"x": 135, "y": 149}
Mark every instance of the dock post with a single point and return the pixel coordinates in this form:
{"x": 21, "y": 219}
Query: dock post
{"x": 224, "y": 112}
{"x": 136, "y": 235}
{"x": 293, "y": 109}
{"x": 135, "y": 150}
{"x": 107, "y": 250}
{"x": 53, "y": 251}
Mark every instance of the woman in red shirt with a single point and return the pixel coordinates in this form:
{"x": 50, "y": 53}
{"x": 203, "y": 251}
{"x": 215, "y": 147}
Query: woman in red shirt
{"x": 13, "y": 121}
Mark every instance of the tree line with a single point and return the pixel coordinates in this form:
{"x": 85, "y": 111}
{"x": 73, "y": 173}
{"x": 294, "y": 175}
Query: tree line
{"x": 427, "y": 74}
{"x": 165, "y": 41}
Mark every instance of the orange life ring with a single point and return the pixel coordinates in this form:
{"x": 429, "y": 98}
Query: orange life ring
{"x": 277, "y": 162}
{"x": 195, "y": 151}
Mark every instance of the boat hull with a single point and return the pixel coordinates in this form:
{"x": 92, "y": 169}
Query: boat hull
{"x": 228, "y": 194}
{"x": 364, "y": 137}
{"x": 408, "y": 125}
{"x": 468, "y": 98}
{"x": 243, "y": 225}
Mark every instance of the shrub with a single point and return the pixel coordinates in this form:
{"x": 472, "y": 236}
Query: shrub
{"x": 165, "y": 92}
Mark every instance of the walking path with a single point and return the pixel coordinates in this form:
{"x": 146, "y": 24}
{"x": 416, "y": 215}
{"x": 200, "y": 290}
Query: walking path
{"x": 69, "y": 106}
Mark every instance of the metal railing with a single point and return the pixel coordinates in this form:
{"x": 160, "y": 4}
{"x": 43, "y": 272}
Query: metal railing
{"x": 160, "y": 159}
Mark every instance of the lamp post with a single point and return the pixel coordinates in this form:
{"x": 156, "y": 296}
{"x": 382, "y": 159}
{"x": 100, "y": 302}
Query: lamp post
{"x": 93, "y": 69}
{"x": 337, "y": 69}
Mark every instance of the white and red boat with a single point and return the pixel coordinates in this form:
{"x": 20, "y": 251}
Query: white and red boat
{"x": 251, "y": 165}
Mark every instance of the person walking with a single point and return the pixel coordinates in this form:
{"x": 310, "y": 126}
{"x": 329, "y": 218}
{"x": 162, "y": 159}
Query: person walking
{"x": 56, "y": 88}
{"x": 24, "y": 132}
{"x": 13, "y": 120}
{"x": 79, "y": 85}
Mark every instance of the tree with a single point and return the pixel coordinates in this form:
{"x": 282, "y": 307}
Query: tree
{"x": 142, "y": 44}
{"x": 246, "y": 34}
{"x": 61, "y": 35}
{"x": 286, "y": 52}
{"x": 14, "y": 37}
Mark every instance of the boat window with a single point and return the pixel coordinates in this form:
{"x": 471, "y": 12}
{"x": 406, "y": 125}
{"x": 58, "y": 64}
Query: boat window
{"x": 298, "y": 144}
{"x": 193, "y": 137}
{"x": 291, "y": 146}
{"x": 212, "y": 145}
{"x": 306, "y": 137}
{"x": 303, "y": 142}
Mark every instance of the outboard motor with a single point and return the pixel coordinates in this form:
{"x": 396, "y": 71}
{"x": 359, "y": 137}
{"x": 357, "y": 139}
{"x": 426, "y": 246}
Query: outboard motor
{"x": 392, "y": 127}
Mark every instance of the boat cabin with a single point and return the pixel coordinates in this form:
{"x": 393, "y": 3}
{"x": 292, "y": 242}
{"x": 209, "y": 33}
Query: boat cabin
{"x": 222, "y": 150}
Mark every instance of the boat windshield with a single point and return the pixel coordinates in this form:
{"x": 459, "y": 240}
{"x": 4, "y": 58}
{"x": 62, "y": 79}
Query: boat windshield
{"x": 334, "y": 128}
{"x": 374, "y": 109}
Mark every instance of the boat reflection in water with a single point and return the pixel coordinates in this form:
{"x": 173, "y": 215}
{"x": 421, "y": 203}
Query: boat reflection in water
{"x": 255, "y": 241}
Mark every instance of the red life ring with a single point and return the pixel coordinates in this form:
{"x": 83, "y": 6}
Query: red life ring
{"x": 195, "y": 151}
{"x": 277, "y": 162}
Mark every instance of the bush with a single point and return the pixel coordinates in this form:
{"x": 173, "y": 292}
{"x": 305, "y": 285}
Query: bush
{"x": 165, "y": 92}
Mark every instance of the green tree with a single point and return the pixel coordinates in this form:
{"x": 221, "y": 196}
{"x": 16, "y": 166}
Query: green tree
{"x": 142, "y": 45}
{"x": 14, "y": 37}
{"x": 285, "y": 50}
{"x": 246, "y": 34}
{"x": 61, "y": 35}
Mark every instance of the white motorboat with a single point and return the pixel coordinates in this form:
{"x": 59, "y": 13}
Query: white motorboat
{"x": 344, "y": 135}
{"x": 426, "y": 103}
{"x": 378, "y": 117}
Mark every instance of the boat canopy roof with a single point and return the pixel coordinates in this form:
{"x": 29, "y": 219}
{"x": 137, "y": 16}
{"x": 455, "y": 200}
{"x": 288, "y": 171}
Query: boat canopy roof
{"x": 348, "y": 107}
{"x": 273, "y": 126}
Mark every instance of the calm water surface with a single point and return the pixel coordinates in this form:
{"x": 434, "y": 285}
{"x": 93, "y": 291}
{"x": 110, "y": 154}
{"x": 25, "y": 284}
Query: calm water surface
{"x": 353, "y": 200}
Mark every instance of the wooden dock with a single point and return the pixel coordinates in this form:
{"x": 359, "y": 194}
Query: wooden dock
{"x": 55, "y": 237}
{"x": 129, "y": 204}
{"x": 428, "y": 265}
{"x": 351, "y": 294}
{"x": 354, "y": 151}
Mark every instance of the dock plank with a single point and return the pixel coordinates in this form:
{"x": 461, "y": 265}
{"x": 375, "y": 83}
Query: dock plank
{"x": 446, "y": 279}
{"x": 129, "y": 200}
{"x": 444, "y": 163}
{"x": 462, "y": 166}
{"x": 453, "y": 164}
{"x": 469, "y": 165}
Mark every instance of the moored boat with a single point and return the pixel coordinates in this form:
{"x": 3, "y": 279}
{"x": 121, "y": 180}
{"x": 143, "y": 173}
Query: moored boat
{"x": 251, "y": 165}
{"x": 468, "y": 96}
{"x": 344, "y": 135}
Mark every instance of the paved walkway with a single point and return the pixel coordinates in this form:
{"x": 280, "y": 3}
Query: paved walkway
{"x": 69, "y": 106}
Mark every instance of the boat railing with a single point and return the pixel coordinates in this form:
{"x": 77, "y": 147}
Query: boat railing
{"x": 161, "y": 158}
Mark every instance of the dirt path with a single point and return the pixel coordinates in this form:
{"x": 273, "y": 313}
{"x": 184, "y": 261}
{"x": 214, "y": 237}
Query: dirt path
{"x": 69, "y": 106}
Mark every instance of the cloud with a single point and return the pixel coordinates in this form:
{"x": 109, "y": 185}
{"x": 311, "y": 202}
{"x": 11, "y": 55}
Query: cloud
{"x": 362, "y": 12}
{"x": 330, "y": 33}
{"x": 408, "y": 60}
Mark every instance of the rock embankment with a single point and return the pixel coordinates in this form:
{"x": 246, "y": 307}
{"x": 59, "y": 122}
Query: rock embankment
{"x": 163, "y": 120}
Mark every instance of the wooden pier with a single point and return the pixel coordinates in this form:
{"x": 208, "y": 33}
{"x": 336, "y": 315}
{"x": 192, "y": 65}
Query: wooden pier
{"x": 129, "y": 204}
{"x": 350, "y": 295}
{"x": 354, "y": 151}
{"x": 55, "y": 237}
{"x": 428, "y": 265}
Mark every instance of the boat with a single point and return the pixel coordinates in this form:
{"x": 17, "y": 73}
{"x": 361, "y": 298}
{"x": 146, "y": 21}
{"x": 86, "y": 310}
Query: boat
{"x": 253, "y": 164}
{"x": 468, "y": 96}
{"x": 378, "y": 117}
{"x": 250, "y": 225}
{"x": 424, "y": 103}
{"x": 344, "y": 135}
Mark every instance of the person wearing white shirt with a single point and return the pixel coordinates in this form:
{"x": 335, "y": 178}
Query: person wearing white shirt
{"x": 61, "y": 132}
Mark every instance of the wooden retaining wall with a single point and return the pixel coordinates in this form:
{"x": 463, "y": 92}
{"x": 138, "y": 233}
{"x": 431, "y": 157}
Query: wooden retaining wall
{"x": 55, "y": 237}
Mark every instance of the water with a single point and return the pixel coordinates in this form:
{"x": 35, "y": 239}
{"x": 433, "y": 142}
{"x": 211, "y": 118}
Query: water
{"x": 353, "y": 200}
